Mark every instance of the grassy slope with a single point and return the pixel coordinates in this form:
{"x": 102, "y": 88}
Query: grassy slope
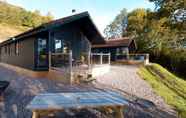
{"x": 167, "y": 85}
{"x": 11, "y": 20}
{"x": 7, "y": 31}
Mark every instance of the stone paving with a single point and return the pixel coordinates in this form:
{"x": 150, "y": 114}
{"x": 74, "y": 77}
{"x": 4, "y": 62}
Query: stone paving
{"x": 22, "y": 89}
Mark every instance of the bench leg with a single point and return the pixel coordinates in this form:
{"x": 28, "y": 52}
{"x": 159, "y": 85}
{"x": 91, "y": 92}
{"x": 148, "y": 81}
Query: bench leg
{"x": 35, "y": 114}
{"x": 119, "y": 112}
{"x": 1, "y": 98}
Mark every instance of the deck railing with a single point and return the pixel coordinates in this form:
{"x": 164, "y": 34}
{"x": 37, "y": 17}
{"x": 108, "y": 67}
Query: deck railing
{"x": 134, "y": 57}
{"x": 100, "y": 58}
{"x": 66, "y": 59}
{"x": 61, "y": 60}
{"x": 64, "y": 62}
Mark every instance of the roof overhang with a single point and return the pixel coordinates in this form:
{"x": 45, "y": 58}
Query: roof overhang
{"x": 122, "y": 42}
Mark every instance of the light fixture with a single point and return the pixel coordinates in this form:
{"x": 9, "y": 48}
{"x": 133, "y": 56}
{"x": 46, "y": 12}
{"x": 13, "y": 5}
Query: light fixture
{"x": 13, "y": 38}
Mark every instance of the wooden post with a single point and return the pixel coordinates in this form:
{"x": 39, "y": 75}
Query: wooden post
{"x": 101, "y": 58}
{"x": 49, "y": 59}
{"x": 1, "y": 97}
{"x": 49, "y": 50}
{"x": 146, "y": 59}
{"x": 109, "y": 58}
{"x": 35, "y": 114}
{"x": 89, "y": 56}
{"x": 119, "y": 112}
{"x": 91, "y": 59}
{"x": 70, "y": 67}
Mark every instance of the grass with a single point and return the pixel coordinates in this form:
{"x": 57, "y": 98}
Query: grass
{"x": 7, "y": 31}
{"x": 170, "y": 87}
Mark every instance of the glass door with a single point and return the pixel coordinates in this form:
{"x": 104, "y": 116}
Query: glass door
{"x": 42, "y": 53}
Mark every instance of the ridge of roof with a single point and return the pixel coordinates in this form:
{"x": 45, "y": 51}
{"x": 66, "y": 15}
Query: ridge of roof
{"x": 53, "y": 21}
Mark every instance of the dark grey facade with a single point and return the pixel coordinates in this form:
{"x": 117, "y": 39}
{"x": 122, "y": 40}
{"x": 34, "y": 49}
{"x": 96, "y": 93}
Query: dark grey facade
{"x": 73, "y": 36}
{"x": 24, "y": 57}
{"x": 31, "y": 49}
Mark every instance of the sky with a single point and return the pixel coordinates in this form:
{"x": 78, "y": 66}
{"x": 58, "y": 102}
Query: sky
{"x": 102, "y": 12}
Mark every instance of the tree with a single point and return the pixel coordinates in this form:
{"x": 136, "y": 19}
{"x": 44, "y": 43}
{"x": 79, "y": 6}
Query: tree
{"x": 36, "y": 18}
{"x": 161, "y": 32}
{"x": 49, "y": 17}
{"x": 18, "y": 16}
{"x": 175, "y": 11}
{"x": 151, "y": 33}
{"x": 27, "y": 19}
{"x": 118, "y": 26}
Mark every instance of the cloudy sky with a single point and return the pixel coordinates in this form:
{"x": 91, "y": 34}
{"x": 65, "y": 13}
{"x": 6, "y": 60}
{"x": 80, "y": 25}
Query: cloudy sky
{"x": 101, "y": 11}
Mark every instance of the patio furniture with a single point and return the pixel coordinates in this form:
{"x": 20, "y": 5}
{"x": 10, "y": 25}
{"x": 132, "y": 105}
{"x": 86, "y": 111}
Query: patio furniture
{"x": 51, "y": 102}
{"x": 3, "y": 86}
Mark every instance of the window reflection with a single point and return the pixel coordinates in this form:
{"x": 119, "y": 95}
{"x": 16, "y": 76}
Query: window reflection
{"x": 122, "y": 51}
{"x": 61, "y": 46}
{"x": 42, "y": 52}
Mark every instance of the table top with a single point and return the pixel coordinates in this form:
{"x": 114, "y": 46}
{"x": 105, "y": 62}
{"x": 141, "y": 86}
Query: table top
{"x": 76, "y": 100}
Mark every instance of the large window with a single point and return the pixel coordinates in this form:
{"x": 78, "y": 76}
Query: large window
{"x": 122, "y": 51}
{"x": 42, "y": 57}
{"x": 61, "y": 46}
{"x": 58, "y": 45}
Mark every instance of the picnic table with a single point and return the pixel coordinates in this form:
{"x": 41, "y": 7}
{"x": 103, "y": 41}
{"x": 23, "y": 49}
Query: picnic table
{"x": 49, "y": 102}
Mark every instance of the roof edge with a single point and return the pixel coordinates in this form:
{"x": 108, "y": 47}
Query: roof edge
{"x": 44, "y": 27}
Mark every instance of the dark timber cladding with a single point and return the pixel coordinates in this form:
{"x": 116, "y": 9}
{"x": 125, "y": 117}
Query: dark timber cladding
{"x": 22, "y": 56}
{"x": 77, "y": 30}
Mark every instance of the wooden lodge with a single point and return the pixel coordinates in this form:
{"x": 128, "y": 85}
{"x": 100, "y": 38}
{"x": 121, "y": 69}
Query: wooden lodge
{"x": 45, "y": 45}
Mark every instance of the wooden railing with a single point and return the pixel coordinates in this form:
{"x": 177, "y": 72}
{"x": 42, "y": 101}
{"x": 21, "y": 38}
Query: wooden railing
{"x": 64, "y": 62}
{"x": 60, "y": 60}
{"x": 100, "y": 58}
{"x": 134, "y": 57}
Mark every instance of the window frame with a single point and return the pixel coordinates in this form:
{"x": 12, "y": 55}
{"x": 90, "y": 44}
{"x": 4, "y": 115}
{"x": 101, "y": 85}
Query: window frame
{"x": 9, "y": 49}
{"x": 6, "y": 50}
{"x": 17, "y": 48}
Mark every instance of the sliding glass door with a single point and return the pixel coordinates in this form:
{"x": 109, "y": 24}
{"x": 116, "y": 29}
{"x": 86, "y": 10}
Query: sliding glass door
{"x": 42, "y": 53}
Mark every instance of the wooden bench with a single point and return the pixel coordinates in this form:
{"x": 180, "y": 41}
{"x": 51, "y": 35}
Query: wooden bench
{"x": 3, "y": 86}
{"x": 51, "y": 102}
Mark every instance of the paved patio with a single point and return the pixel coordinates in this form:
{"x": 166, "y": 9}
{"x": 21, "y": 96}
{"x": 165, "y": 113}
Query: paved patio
{"x": 22, "y": 89}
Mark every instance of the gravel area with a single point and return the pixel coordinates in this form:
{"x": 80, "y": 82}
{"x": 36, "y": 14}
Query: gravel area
{"x": 126, "y": 79}
{"x": 22, "y": 89}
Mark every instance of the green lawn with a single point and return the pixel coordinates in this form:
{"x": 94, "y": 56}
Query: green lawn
{"x": 170, "y": 87}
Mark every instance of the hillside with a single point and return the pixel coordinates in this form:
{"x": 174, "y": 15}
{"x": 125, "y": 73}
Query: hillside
{"x": 14, "y": 20}
{"x": 7, "y": 31}
{"x": 170, "y": 87}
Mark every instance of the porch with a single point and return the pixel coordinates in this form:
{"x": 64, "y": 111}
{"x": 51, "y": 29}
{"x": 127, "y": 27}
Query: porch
{"x": 75, "y": 70}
